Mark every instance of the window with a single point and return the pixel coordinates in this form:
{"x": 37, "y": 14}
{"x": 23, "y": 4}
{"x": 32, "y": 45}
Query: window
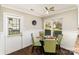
{"x": 57, "y": 25}
{"x": 47, "y": 32}
{"x": 13, "y": 26}
{"x": 57, "y": 28}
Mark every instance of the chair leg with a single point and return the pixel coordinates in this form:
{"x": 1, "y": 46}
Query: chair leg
{"x": 37, "y": 49}
{"x": 32, "y": 49}
{"x": 41, "y": 50}
{"x": 58, "y": 49}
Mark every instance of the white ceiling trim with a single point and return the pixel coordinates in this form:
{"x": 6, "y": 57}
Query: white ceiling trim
{"x": 20, "y": 10}
{"x": 24, "y": 11}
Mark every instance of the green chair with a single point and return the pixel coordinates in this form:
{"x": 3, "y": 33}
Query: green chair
{"x": 35, "y": 43}
{"x": 49, "y": 46}
{"x": 59, "y": 39}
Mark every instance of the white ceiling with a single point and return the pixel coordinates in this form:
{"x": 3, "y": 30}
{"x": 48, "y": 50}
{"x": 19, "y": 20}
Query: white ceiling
{"x": 39, "y": 9}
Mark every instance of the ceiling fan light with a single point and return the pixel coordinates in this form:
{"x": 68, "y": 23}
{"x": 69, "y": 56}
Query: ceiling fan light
{"x": 47, "y": 12}
{"x": 32, "y": 9}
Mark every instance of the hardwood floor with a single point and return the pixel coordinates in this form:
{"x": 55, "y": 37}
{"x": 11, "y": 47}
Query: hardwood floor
{"x": 28, "y": 51}
{"x": 76, "y": 47}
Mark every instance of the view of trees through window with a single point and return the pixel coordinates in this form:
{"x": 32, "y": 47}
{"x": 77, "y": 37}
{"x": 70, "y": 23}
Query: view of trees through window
{"x": 13, "y": 26}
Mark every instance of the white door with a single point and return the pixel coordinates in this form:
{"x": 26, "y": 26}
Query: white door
{"x": 13, "y": 44}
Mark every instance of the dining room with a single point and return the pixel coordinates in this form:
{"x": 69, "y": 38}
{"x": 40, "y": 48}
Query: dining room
{"x": 38, "y": 29}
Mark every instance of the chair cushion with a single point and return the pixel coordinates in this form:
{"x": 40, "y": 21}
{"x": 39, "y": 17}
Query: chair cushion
{"x": 37, "y": 44}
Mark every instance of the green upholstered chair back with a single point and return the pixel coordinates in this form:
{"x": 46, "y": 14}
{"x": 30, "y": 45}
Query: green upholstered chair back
{"x": 50, "y": 46}
{"x": 59, "y": 38}
{"x": 32, "y": 38}
{"x": 35, "y": 41}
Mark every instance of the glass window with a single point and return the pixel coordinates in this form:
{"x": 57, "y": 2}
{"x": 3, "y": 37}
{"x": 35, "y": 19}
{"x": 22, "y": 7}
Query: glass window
{"x": 13, "y": 26}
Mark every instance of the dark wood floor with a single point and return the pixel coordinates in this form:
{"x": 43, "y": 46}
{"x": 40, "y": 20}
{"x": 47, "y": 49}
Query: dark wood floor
{"x": 28, "y": 51}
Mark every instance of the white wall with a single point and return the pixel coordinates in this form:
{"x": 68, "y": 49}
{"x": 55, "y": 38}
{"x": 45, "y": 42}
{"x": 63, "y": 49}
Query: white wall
{"x": 69, "y": 27}
{"x": 1, "y": 21}
{"x": 1, "y": 32}
{"x": 27, "y": 28}
{"x": 2, "y": 48}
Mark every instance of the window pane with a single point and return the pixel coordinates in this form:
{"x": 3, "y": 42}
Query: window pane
{"x": 14, "y": 26}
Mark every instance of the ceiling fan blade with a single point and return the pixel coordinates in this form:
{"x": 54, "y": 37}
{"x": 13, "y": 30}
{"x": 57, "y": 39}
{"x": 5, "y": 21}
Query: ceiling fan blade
{"x": 46, "y": 8}
{"x": 52, "y": 9}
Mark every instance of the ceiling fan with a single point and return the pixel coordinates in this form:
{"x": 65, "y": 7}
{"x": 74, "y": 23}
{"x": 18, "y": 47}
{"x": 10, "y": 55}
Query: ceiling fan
{"x": 49, "y": 9}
